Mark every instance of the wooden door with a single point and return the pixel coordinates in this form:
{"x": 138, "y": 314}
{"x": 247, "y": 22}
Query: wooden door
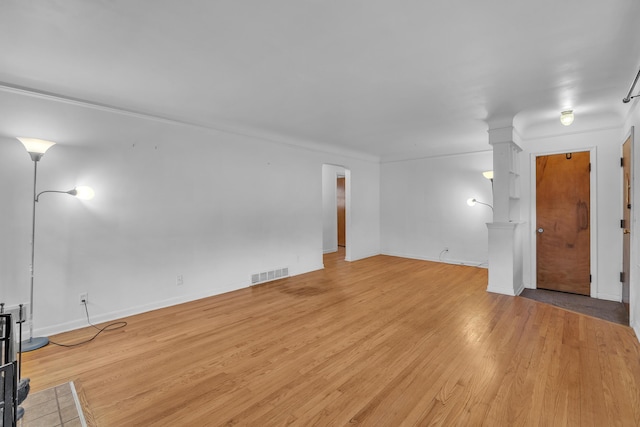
{"x": 563, "y": 223}
{"x": 340, "y": 193}
{"x": 626, "y": 221}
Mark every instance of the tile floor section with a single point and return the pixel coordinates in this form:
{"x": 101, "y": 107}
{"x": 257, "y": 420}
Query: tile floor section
{"x": 52, "y": 407}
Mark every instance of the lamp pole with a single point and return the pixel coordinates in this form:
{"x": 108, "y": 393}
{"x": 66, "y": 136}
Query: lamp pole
{"x": 482, "y": 203}
{"x": 37, "y": 342}
{"x": 36, "y": 149}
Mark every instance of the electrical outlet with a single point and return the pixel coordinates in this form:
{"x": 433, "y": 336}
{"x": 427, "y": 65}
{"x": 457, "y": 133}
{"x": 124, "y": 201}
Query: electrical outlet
{"x": 84, "y": 298}
{"x": 179, "y": 280}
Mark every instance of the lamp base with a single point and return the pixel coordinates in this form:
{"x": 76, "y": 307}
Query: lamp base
{"x": 34, "y": 343}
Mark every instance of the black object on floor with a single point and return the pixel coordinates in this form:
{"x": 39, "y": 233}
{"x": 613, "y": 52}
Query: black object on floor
{"x": 603, "y": 309}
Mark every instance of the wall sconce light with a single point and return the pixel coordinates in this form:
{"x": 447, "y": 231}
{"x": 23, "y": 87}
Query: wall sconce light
{"x": 82, "y": 192}
{"x": 473, "y": 201}
{"x": 566, "y": 117}
{"x": 36, "y": 149}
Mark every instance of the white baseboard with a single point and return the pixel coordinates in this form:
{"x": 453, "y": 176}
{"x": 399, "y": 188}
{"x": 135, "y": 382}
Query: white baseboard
{"x": 503, "y": 291}
{"x": 444, "y": 261}
{"x": 363, "y": 256}
{"x": 130, "y": 311}
{"x": 154, "y": 305}
{"x": 520, "y": 289}
{"x": 609, "y": 297}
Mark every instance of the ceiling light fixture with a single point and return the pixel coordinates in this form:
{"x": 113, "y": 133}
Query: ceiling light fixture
{"x": 566, "y": 117}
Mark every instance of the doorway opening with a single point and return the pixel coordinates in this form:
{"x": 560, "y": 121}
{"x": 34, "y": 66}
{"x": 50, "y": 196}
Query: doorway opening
{"x": 336, "y": 209}
{"x": 341, "y": 211}
{"x": 563, "y": 221}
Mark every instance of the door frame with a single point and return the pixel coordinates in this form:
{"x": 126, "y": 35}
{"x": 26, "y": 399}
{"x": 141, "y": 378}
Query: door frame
{"x": 632, "y": 251}
{"x": 593, "y": 237}
{"x": 346, "y": 173}
{"x": 338, "y": 177}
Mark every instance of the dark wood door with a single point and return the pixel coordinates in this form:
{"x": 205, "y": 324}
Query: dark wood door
{"x": 563, "y": 223}
{"x": 340, "y": 195}
{"x": 626, "y": 221}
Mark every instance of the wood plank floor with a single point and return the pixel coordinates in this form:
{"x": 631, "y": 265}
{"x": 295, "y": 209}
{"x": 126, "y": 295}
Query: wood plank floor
{"x": 383, "y": 341}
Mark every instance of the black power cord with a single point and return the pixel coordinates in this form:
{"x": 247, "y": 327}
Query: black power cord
{"x": 110, "y": 327}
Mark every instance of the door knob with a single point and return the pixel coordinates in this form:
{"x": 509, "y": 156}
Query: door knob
{"x": 626, "y": 231}
{"x": 540, "y": 230}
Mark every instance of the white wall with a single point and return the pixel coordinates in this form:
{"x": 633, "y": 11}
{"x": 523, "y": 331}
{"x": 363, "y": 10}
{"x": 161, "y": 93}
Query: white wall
{"x": 424, "y": 211}
{"x": 171, "y": 200}
{"x": 424, "y": 208}
{"x": 607, "y": 257}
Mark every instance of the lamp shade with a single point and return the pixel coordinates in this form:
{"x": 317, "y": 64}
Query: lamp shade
{"x": 488, "y": 174}
{"x": 36, "y": 147}
{"x": 566, "y": 117}
{"x": 471, "y": 202}
{"x": 84, "y": 193}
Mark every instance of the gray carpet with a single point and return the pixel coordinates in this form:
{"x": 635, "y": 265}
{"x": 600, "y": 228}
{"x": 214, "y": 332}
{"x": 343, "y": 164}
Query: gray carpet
{"x": 607, "y": 310}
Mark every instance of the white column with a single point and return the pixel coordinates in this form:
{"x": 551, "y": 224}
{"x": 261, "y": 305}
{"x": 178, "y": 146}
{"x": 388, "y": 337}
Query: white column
{"x": 505, "y": 232}
{"x": 505, "y": 258}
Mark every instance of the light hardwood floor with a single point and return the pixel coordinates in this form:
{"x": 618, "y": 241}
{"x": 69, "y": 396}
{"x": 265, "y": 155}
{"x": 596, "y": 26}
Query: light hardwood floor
{"x": 379, "y": 342}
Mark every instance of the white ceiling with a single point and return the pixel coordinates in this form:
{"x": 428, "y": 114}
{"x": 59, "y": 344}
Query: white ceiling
{"x": 395, "y": 79}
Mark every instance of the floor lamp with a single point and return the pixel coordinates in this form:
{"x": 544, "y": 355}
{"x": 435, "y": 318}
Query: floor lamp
{"x": 36, "y": 149}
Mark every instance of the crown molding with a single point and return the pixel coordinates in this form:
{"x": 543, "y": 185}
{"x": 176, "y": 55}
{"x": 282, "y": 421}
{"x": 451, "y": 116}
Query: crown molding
{"x": 216, "y": 127}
